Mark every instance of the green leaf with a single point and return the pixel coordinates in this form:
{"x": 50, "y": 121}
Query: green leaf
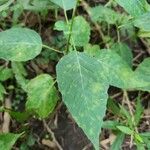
{"x": 19, "y": 44}
{"x": 143, "y": 34}
{"x": 119, "y": 73}
{"x": 110, "y": 124}
{"x": 65, "y": 4}
{"x": 118, "y": 142}
{"x": 124, "y": 52}
{"x": 143, "y": 22}
{"x": 104, "y": 14}
{"x": 19, "y": 116}
{"x": 112, "y": 107}
{"x": 42, "y": 95}
{"x": 143, "y": 70}
{"x": 145, "y": 134}
{"x": 138, "y": 138}
{"x": 83, "y": 82}
{"x": 5, "y": 74}
{"x": 134, "y": 7}
{"x": 125, "y": 113}
{"x": 7, "y": 140}
{"x": 91, "y": 50}
{"x": 20, "y": 74}
{"x": 139, "y": 111}
{"x": 84, "y": 92}
{"x": 140, "y": 146}
{"x": 125, "y": 130}
{"x": 34, "y": 5}
{"x": 6, "y": 5}
{"x": 80, "y": 34}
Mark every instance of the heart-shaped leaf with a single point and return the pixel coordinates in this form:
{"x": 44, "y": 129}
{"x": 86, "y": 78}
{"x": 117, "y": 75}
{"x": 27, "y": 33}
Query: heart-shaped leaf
{"x": 84, "y": 91}
{"x": 84, "y": 80}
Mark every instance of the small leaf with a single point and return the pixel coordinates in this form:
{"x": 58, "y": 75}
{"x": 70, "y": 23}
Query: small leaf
{"x": 7, "y": 140}
{"x": 20, "y": 74}
{"x": 6, "y": 5}
{"x": 80, "y": 34}
{"x": 125, "y": 130}
{"x": 91, "y": 50}
{"x": 83, "y": 92}
{"x": 139, "y": 111}
{"x": 143, "y": 33}
{"x": 65, "y": 4}
{"x": 42, "y": 95}
{"x": 143, "y": 22}
{"x": 5, "y": 74}
{"x": 124, "y": 52}
{"x": 118, "y": 142}
{"x": 19, "y": 44}
{"x": 143, "y": 70}
{"x": 138, "y": 138}
{"x": 145, "y": 134}
{"x": 112, "y": 107}
{"x": 110, "y": 124}
{"x": 19, "y": 116}
{"x": 104, "y": 14}
{"x": 134, "y": 7}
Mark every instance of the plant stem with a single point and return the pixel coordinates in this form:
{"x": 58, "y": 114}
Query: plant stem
{"x": 71, "y": 25}
{"x": 53, "y": 49}
{"x": 118, "y": 35}
{"x": 130, "y": 109}
{"x": 98, "y": 28}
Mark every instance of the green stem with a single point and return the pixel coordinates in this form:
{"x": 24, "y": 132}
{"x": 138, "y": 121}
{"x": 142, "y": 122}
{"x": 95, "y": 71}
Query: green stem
{"x": 53, "y": 49}
{"x": 118, "y": 35}
{"x": 71, "y": 26}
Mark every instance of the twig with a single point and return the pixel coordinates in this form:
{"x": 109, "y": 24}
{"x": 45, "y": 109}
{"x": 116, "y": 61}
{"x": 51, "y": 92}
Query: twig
{"x": 6, "y": 117}
{"x": 131, "y": 113}
{"x": 52, "y": 49}
{"x": 115, "y": 95}
{"x": 52, "y": 135}
{"x": 146, "y": 45}
{"x": 87, "y": 146}
{"x": 86, "y": 7}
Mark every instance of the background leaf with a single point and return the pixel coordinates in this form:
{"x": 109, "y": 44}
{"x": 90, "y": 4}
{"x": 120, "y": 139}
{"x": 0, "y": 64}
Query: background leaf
{"x": 143, "y": 22}
{"x": 125, "y": 130}
{"x": 19, "y": 44}
{"x": 134, "y": 7}
{"x": 42, "y": 95}
{"x": 91, "y": 50}
{"x": 5, "y": 74}
{"x": 80, "y": 31}
{"x": 7, "y": 140}
{"x": 118, "y": 142}
{"x": 20, "y": 74}
{"x": 105, "y": 14}
{"x": 124, "y": 52}
{"x": 119, "y": 73}
{"x": 65, "y": 4}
